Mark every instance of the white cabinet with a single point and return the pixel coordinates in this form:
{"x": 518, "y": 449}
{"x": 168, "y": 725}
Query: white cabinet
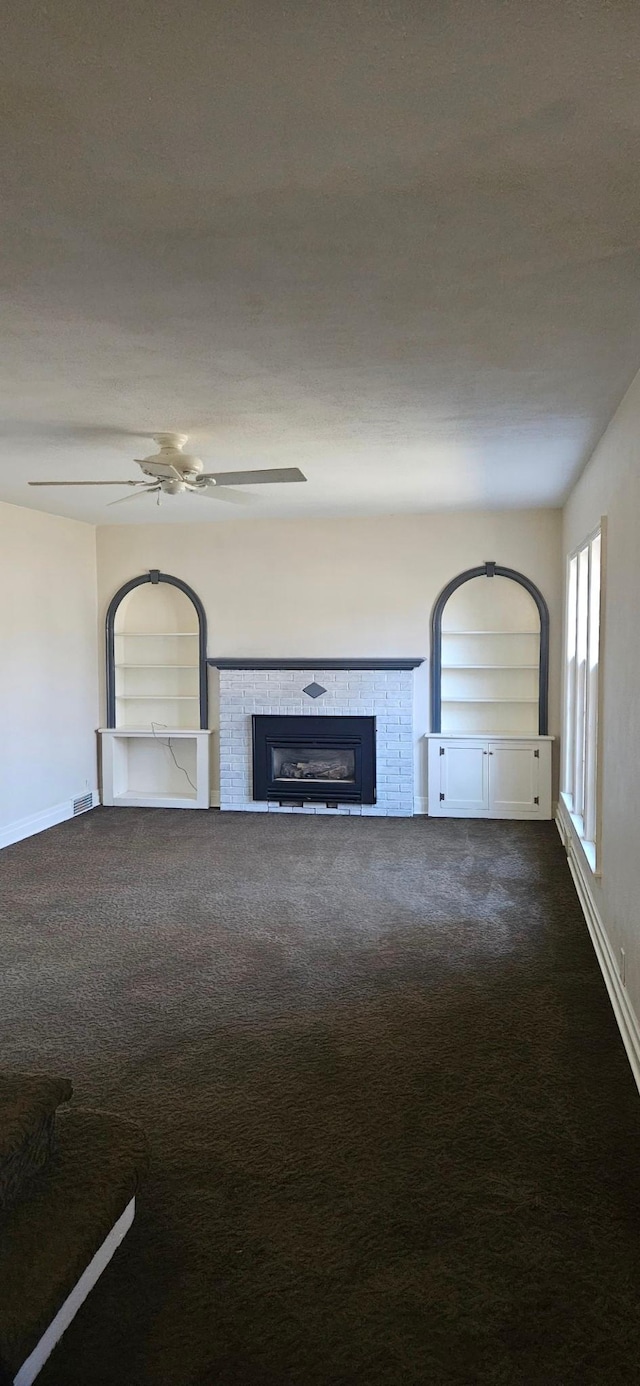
{"x": 463, "y": 781}
{"x": 151, "y": 769}
{"x": 497, "y": 777}
{"x": 514, "y": 777}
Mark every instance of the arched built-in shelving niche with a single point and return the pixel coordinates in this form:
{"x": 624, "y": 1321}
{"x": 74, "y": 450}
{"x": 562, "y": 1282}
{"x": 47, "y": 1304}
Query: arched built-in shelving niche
{"x": 156, "y": 635}
{"x": 490, "y": 655}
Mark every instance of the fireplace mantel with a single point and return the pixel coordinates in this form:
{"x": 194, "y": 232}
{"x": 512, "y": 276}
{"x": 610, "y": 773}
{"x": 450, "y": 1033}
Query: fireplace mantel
{"x": 292, "y": 663}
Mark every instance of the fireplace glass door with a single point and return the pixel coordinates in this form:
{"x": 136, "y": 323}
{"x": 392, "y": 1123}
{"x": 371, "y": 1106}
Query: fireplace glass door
{"x": 328, "y": 759}
{"x": 323, "y": 764}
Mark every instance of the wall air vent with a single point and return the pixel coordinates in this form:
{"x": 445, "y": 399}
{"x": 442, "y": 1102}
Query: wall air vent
{"x": 81, "y": 805}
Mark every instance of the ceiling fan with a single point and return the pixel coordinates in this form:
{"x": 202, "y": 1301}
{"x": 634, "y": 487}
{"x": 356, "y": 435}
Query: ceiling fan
{"x": 173, "y": 471}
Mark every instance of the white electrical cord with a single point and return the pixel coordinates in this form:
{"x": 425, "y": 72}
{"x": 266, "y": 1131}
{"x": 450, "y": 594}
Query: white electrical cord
{"x": 169, "y": 748}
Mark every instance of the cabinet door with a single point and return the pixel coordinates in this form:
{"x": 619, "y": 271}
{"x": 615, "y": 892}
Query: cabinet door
{"x": 463, "y": 775}
{"x": 514, "y": 777}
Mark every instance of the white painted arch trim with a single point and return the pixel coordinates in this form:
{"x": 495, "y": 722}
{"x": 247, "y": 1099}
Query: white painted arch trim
{"x": 625, "y": 1015}
{"x": 52, "y": 1335}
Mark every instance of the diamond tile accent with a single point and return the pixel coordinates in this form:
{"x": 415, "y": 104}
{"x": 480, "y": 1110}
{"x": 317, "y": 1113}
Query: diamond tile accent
{"x": 314, "y": 690}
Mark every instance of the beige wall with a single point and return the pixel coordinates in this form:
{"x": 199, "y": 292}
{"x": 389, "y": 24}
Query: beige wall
{"x": 336, "y": 587}
{"x": 48, "y": 664}
{"x": 610, "y": 486}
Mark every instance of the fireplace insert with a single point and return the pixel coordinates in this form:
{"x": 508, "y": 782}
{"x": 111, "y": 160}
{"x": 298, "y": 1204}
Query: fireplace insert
{"x": 326, "y": 760}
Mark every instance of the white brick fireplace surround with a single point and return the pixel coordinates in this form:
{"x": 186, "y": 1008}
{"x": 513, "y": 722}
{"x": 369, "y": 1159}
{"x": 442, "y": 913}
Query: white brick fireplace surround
{"x": 385, "y": 693}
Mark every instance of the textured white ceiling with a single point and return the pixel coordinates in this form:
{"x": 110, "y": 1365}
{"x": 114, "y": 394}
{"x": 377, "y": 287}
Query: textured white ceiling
{"x": 396, "y": 244}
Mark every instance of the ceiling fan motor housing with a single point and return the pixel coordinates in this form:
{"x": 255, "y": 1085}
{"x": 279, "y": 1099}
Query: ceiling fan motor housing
{"x": 171, "y": 455}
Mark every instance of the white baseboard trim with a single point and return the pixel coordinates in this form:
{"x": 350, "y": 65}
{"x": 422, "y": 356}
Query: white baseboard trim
{"x": 625, "y": 1015}
{"x": 39, "y": 822}
{"x": 420, "y": 805}
{"x": 36, "y": 1360}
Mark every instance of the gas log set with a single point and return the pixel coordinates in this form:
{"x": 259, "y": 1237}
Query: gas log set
{"x": 315, "y": 770}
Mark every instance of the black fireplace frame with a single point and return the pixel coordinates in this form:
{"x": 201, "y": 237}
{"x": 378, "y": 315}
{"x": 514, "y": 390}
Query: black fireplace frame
{"x": 357, "y": 734}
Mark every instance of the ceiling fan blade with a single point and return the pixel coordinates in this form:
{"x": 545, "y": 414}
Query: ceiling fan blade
{"x": 144, "y": 491}
{"x": 165, "y": 471}
{"x": 222, "y": 493}
{"x": 257, "y": 478}
{"x": 83, "y": 483}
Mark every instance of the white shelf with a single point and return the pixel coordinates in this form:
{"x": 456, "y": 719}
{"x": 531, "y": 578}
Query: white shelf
{"x": 484, "y": 734}
{"x": 139, "y": 769}
{"x": 488, "y": 700}
{"x": 477, "y": 666}
{"x": 143, "y": 799}
{"x": 137, "y": 732}
{"x": 490, "y": 665}
{"x": 162, "y": 666}
{"x": 490, "y": 673}
{"x": 157, "y": 669}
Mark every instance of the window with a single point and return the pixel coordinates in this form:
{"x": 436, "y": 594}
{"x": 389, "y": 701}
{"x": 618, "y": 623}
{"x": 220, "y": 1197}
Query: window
{"x": 580, "y": 777}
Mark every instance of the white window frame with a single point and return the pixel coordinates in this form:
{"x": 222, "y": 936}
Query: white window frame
{"x": 583, "y": 663}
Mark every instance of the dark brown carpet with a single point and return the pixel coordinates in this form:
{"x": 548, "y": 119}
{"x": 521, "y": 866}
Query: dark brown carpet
{"x": 394, "y": 1136}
